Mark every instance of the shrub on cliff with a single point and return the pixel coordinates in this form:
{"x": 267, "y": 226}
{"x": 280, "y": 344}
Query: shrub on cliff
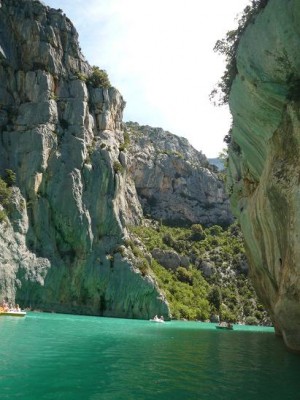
{"x": 10, "y": 177}
{"x": 98, "y": 78}
{"x": 123, "y": 146}
{"x": 5, "y": 198}
{"x": 5, "y": 193}
{"x": 118, "y": 167}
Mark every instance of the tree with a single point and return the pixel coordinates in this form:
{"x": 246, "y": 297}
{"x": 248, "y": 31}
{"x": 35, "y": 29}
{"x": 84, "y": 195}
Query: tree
{"x": 215, "y": 297}
{"x": 197, "y": 232}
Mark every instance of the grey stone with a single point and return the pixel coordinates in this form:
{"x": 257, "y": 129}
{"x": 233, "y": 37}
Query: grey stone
{"x": 70, "y": 208}
{"x": 170, "y": 259}
{"x": 173, "y": 180}
{"x": 32, "y": 114}
{"x": 207, "y": 268}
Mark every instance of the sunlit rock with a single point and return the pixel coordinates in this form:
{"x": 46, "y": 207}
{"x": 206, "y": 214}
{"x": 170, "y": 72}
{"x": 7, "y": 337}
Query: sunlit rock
{"x": 264, "y": 171}
{"x": 62, "y": 245}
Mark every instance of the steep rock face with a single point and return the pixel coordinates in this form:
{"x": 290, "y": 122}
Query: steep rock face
{"x": 264, "y": 164}
{"x": 173, "y": 180}
{"x": 60, "y": 247}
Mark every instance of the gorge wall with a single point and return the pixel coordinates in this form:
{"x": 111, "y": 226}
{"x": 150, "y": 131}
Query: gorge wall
{"x": 61, "y": 247}
{"x": 174, "y": 181}
{"x": 264, "y": 168}
{"x": 82, "y": 178}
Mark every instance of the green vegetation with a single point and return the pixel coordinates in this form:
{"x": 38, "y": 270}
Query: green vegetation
{"x": 53, "y": 96}
{"x": 82, "y": 77}
{"x": 171, "y": 153}
{"x": 186, "y": 290}
{"x": 10, "y": 177}
{"x": 123, "y": 146}
{"x": 98, "y": 78}
{"x": 228, "y": 47}
{"x": 6, "y": 193}
{"x": 118, "y": 167}
{"x": 214, "y": 282}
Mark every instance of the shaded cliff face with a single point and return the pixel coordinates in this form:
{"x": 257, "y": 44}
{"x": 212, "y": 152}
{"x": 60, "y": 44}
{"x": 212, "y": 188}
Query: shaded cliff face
{"x": 60, "y": 247}
{"x": 173, "y": 180}
{"x": 263, "y": 176}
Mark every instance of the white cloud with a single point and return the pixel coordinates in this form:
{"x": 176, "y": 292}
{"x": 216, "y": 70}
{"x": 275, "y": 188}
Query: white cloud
{"x": 159, "y": 54}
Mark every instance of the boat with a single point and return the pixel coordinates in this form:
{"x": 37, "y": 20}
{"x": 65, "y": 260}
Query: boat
{"x": 156, "y": 319}
{"x": 12, "y": 313}
{"x": 225, "y": 326}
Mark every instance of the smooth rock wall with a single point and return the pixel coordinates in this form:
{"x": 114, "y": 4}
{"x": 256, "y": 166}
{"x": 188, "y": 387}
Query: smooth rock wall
{"x": 263, "y": 176}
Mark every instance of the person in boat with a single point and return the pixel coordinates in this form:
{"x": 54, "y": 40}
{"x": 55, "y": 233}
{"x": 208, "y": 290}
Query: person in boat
{"x": 223, "y": 324}
{"x": 155, "y": 318}
{"x": 18, "y": 309}
{"x": 5, "y": 306}
{"x": 161, "y": 318}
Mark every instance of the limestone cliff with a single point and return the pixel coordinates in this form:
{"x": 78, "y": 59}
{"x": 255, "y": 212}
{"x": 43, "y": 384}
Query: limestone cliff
{"x": 174, "y": 181}
{"x": 264, "y": 164}
{"x": 61, "y": 247}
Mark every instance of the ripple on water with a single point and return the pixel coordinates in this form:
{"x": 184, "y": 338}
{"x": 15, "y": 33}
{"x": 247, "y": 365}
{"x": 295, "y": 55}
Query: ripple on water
{"x": 50, "y": 356}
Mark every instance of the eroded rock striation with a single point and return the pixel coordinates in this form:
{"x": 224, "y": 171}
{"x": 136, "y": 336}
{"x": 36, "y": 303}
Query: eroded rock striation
{"x": 174, "y": 181}
{"x": 61, "y": 247}
{"x": 264, "y": 171}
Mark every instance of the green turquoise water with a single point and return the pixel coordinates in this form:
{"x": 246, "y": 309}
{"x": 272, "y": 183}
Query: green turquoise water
{"x": 55, "y": 356}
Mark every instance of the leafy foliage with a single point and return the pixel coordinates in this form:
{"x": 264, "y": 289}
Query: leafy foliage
{"x": 228, "y": 47}
{"x": 118, "y": 167}
{"x": 123, "y": 146}
{"x": 5, "y": 198}
{"x": 192, "y": 292}
{"x": 98, "y": 78}
{"x": 82, "y": 77}
{"x": 186, "y": 291}
{"x": 10, "y": 177}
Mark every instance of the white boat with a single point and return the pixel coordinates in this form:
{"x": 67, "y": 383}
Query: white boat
{"x": 12, "y": 313}
{"x": 159, "y": 320}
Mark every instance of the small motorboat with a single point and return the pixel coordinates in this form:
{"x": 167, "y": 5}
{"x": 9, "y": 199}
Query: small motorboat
{"x": 225, "y": 325}
{"x": 12, "y": 313}
{"x": 156, "y": 319}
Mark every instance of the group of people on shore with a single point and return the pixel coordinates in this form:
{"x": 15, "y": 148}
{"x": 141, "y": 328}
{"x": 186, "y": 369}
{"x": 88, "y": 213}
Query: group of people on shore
{"x": 5, "y": 307}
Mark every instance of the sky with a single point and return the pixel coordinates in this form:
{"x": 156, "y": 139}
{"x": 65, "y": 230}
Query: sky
{"x": 159, "y": 55}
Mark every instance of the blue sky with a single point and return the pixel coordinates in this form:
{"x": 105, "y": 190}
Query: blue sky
{"x": 159, "y": 54}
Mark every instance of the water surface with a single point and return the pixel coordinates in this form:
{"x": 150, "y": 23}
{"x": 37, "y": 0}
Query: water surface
{"x": 55, "y": 356}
